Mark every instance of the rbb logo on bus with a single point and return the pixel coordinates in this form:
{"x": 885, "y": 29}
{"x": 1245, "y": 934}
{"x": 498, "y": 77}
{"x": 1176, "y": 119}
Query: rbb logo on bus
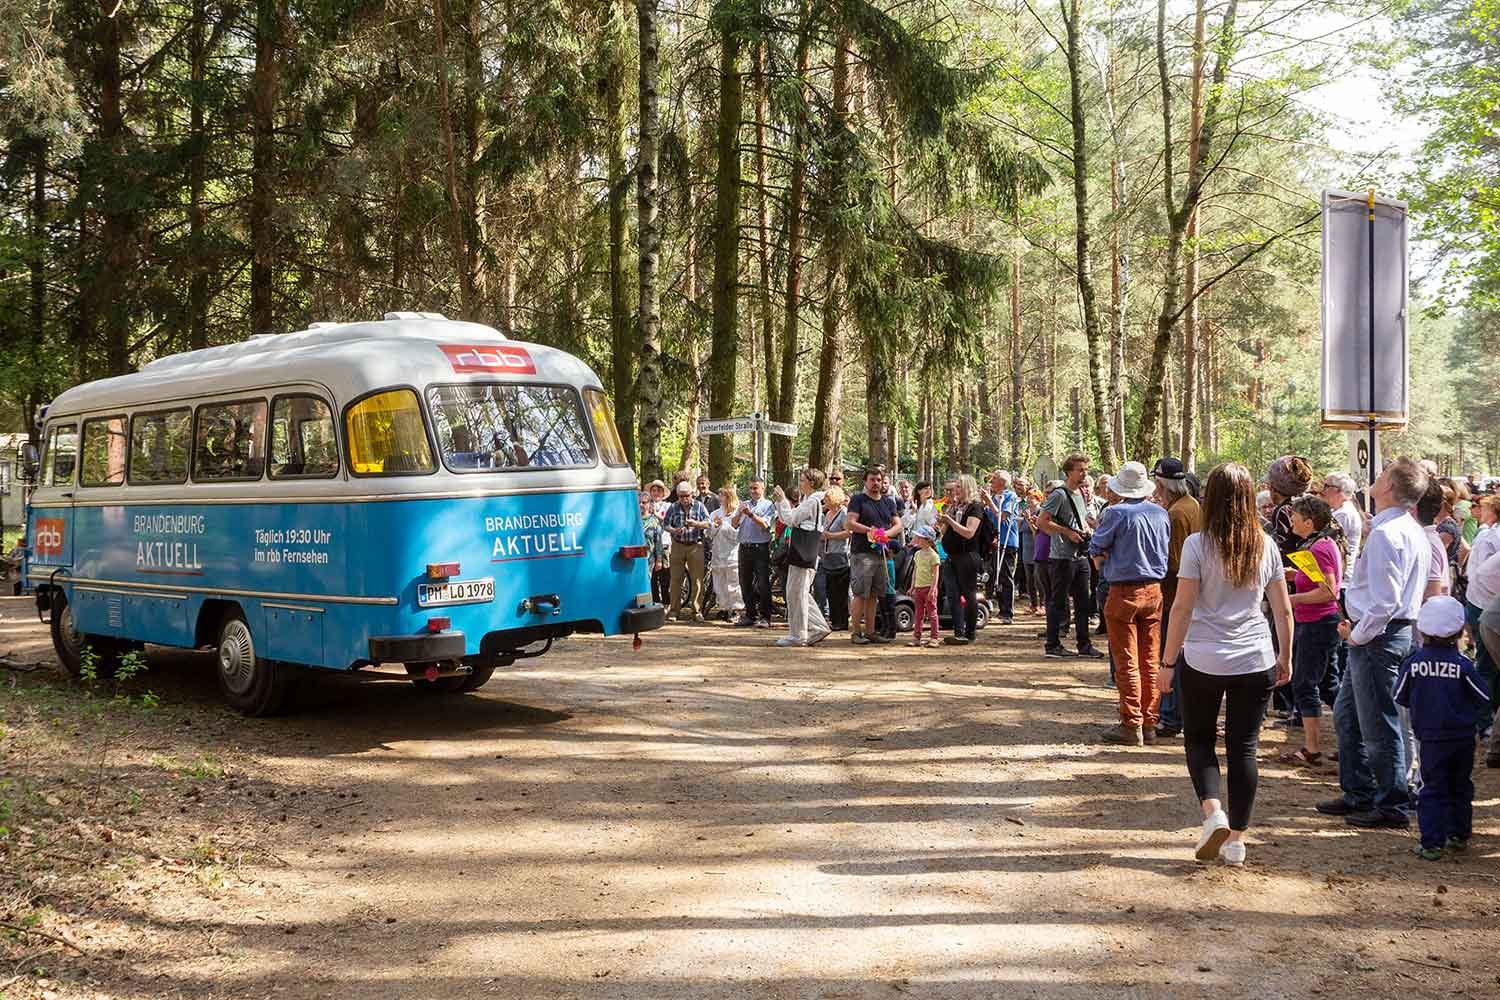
{"x": 50, "y": 534}
{"x": 489, "y": 359}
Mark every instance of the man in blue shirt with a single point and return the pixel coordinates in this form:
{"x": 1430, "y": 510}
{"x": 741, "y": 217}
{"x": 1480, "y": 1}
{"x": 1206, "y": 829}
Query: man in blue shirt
{"x": 1004, "y": 506}
{"x": 685, "y": 522}
{"x": 753, "y": 520}
{"x": 1130, "y": 548}
{"x": 1446, "y": 697}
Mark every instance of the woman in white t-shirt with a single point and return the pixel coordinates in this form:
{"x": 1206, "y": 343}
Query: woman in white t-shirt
{"x": 1222, "y": 643}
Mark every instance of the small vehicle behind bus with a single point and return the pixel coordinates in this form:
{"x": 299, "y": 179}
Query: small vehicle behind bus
{"x": 413, "y": 490}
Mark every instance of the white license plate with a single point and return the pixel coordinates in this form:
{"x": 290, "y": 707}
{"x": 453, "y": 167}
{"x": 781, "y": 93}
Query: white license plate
{"x": 456, "y": 592}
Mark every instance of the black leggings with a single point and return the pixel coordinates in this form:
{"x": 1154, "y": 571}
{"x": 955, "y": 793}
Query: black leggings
{"x": 963, "y": 578}
{"x": 1245, "y": 696}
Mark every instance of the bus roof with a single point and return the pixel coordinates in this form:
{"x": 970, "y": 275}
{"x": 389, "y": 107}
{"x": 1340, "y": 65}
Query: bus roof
{"x": 349, "y": 359}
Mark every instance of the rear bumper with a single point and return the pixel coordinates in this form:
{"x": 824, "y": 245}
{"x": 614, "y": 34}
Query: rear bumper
{"x": 637, "y": 620}
{"x": 417, "y": 648}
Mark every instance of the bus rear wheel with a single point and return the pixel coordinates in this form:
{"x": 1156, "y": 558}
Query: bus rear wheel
{"x": 71, "y": 645}
{"x": 253, "y": 685}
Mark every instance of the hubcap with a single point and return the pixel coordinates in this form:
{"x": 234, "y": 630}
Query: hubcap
{"x": 236, "y": 657}
{"x": 71, "y": 640}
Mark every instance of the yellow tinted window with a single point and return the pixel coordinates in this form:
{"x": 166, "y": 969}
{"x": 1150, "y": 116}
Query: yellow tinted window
{"x": 387, "y": 435}
{"x": 605, "y": 431}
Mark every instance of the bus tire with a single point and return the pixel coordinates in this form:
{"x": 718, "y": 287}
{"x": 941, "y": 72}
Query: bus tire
{"x": 252, "y": 684}
{"x": 69, "y": 643}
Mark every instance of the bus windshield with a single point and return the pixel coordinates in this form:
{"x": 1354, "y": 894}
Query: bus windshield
{"x": 489, "y": 426}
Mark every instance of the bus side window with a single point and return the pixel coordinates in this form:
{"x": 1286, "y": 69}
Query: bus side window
{"x": 103, "y": 452}
{"x": 388, "y": 435}
{"x": 230, "y": 442}
{"x": 302, "y": 439}
{"x": 159, "y": 447}
{"x": 62, "y": 455}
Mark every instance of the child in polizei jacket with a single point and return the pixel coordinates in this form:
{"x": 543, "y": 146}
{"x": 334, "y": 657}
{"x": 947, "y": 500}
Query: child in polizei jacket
{"x": 1445, "y": 696}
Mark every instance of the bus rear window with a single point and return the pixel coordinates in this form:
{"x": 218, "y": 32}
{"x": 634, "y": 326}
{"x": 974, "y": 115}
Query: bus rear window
{"x": 387, "y": 436}
{"x": 159, "y": 447}
{"x": 103, "y": 452}
{"x": 483, "y": 427}
{"x": 605, "y": 431}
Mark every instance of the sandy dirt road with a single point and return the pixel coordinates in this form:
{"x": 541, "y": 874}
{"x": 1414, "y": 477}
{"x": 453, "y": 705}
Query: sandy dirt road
{"x": 714, "y": 817}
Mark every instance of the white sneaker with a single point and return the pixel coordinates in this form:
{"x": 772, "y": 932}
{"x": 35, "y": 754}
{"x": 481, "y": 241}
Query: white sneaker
{"x": 816, "y": 639}
{"x": 1233, "y": 853}
{"x": 1215, "y": 832}
{"x": 787, "y": 640}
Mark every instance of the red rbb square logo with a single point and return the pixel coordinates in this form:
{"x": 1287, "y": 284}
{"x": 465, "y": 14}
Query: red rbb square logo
{"x": 488, "y": 358}
{"x": 50, "y": 533}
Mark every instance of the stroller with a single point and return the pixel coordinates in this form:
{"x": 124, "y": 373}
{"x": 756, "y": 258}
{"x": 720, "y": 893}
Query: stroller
{"x": 906, "y": 608}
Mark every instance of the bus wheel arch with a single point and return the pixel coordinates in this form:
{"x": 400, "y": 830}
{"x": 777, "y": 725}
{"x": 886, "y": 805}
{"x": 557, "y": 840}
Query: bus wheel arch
{"x": 251, "y": 683}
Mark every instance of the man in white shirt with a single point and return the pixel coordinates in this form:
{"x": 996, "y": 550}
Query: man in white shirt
{"x": 1382, "y": 601}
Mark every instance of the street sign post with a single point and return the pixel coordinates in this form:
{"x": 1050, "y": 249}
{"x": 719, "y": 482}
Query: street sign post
{"x": 757, "y": 424}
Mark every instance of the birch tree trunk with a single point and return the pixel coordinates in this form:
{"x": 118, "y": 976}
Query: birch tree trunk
{"x": 786, "y": 397}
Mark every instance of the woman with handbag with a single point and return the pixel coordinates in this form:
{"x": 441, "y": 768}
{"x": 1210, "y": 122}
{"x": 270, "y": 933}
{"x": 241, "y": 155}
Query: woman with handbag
{"x": 806, "y": 625}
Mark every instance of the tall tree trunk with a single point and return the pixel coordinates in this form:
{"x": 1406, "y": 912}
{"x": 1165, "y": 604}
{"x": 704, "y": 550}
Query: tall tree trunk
{"x": 38, "y": 263}
{"x": 763, "y": 225}
{"x": 1091, "y": 330}
{"x": 830, "y": 369}
{"x": 690, "y": 438}
{"x": 1190, "y": 282}
{"x": 786, "y": 398}
{"x": 1178, "y": 213}
{"x": 1015, "y": 335}
{"x": 473, "y": 84}
{"x": 648, "y": 235}
{"x": 725, "y": 349}
{"x": 197, "y": 172}
{"x": 117, "y": 234}
{"x": 265, "y": 91}
{"x": 1119, "y": 269}
{"x": 457, "y": 245}
{"x": 1051, "y": 355}
{"x": 619, "y": 298}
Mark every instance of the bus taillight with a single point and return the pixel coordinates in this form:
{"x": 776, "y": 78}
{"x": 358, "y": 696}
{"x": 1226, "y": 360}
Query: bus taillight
{"x": 634, "y": 551}
{"x": 439, "y": 624}
{"x": 441, "y": 571}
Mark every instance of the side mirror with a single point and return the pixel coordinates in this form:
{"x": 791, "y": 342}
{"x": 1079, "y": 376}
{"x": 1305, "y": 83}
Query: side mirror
{"x": 31, "y": 461}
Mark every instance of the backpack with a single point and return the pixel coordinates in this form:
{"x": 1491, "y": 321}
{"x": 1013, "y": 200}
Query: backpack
{"x": 988, "y": 536}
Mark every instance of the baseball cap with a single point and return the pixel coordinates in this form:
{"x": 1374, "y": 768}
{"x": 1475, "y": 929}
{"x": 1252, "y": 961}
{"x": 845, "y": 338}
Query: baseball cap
{"x": 683, "y": 487}
{"x": 1168, "y": 468}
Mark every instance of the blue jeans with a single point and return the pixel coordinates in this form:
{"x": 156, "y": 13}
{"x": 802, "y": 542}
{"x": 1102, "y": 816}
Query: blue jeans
{"x": 1314, "y": 646}
{"x": 1372, "y": 754}
{"x": 1483, "y": 663}
{"x": 1170, "y": 714}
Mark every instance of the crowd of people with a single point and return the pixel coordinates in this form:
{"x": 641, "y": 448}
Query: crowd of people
{"x": 1277, "y": 594}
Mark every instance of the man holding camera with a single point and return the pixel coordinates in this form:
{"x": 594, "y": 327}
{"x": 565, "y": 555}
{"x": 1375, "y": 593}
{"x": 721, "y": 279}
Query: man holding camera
{"x": 1065, "y": 517}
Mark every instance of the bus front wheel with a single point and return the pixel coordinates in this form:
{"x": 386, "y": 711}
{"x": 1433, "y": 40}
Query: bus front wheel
{"x": 73, "y": 646}
{"x": 254, "y": 685}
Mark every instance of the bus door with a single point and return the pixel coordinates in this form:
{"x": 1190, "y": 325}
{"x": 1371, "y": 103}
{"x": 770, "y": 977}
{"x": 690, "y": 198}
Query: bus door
{"x": 51, "y": 534}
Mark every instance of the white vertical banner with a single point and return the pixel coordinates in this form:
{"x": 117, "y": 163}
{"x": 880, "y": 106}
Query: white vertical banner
{"x": 1365, "y": 370}
{"x": 1363, "y": 465}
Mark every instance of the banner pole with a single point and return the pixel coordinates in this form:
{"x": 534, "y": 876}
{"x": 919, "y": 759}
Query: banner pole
{"x": 1374, "y": 472}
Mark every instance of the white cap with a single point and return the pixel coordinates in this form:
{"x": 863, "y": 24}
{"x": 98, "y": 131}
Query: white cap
{"x": 1441, "y": 617}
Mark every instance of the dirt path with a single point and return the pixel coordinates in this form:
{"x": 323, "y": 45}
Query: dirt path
{"x": 713, "y": 817}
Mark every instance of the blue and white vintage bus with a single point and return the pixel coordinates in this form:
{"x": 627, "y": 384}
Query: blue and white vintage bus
{"x": 415, "y": 490}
